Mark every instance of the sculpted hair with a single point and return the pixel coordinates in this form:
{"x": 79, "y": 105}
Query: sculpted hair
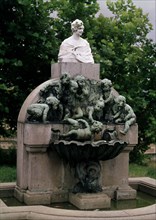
{"x": 75, "y": 25}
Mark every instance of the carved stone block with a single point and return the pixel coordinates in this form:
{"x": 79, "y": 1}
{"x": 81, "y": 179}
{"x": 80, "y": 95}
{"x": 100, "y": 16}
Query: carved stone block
{"x": 91, "y": 71}
{"x": 125, "y": 194}
{"x": 90, "y": 201}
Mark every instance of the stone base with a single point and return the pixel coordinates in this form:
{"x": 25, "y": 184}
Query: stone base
{"x": 60, "y": 196}
{"x": 37, "y": 198}
{"x": 91, "y": 71}
{"x": 40, "y": 198}
{"x": 19, "y": 194}
{"x": 125, "y": 194}
{"x": 109, "y": 191}
{"x": 32, "y": 198}
{"x": 90, "y": 201}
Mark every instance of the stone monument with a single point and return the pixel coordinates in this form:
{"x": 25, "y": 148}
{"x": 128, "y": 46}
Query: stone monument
{"x": 75, "y": 133}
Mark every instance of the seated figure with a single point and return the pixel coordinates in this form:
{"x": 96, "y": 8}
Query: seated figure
{"x": 40, "y": 111}
{"x": 75, "y": 49}
{"x": 95, "y": 111}
{"x": 123, "y": 113}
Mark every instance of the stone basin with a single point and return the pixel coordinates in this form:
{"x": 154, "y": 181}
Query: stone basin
{"x": 145, "y": 184}
{"x": 75, "y": 151}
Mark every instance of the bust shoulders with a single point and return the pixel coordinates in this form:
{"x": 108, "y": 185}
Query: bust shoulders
{"x": 75, "y": 42}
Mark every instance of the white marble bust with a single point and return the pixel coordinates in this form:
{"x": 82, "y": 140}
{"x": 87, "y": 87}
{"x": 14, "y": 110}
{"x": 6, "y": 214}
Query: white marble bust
{"x": 75, "y": 48}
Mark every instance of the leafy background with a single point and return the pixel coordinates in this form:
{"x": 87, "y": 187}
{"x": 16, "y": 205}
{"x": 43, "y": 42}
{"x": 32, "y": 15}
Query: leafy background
{"x": 31, "y": 32}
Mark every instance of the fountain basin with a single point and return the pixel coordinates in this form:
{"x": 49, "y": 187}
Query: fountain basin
{"x": 144, "y": 184}
{"x": 74, "y": 152}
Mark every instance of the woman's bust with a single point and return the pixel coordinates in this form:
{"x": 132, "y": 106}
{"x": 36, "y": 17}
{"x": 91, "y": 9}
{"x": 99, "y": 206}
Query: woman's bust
{"x": 75, "y": 49}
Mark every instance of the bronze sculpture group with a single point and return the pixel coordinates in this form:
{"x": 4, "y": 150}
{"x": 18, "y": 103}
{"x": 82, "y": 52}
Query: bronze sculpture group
{"x": 83, "y": 103}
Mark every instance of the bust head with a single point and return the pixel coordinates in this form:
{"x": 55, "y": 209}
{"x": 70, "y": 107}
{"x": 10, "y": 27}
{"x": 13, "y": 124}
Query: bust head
{"x": 76, "y": 25}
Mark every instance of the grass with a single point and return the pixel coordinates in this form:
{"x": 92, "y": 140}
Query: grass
{"x": 148, "y": 170}
{"x": 7, "y": 174}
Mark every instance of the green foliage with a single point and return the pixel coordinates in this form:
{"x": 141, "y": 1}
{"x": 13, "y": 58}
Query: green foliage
{"x": 29, "y": 41}
{"x": 27, "y": 46}
{"x": 69, "y": 10}
{"x": 7, "y": 174}
{"x": 137, "y": 155}
{"x": 8, "y": 156}
{"x": 148, "y": 170}
{"x": 151, "y": 173}
{"x": 128, "y": 58}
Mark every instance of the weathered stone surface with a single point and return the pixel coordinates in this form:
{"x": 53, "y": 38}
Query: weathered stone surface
{"x": 91, "y": 71}
{"x": 49, "y": 169}
{"x": 90, "y": 201}
{"x": 125, "y": 194}
{"x": 60, "y": 196}
{"x": 19, "y": 193}
{"x": 2, "y": 204}
{"x": 45, "y": 213}
{"x": 32, "y": 198}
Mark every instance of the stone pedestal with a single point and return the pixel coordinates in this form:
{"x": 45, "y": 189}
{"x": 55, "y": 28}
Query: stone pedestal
{"x": 42, "y": 176}
{"x": 35, "y": 198}
{"x": 90, "y": 201}
{"x": 125, "y": 193}
{"x": 91, "y": 71}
